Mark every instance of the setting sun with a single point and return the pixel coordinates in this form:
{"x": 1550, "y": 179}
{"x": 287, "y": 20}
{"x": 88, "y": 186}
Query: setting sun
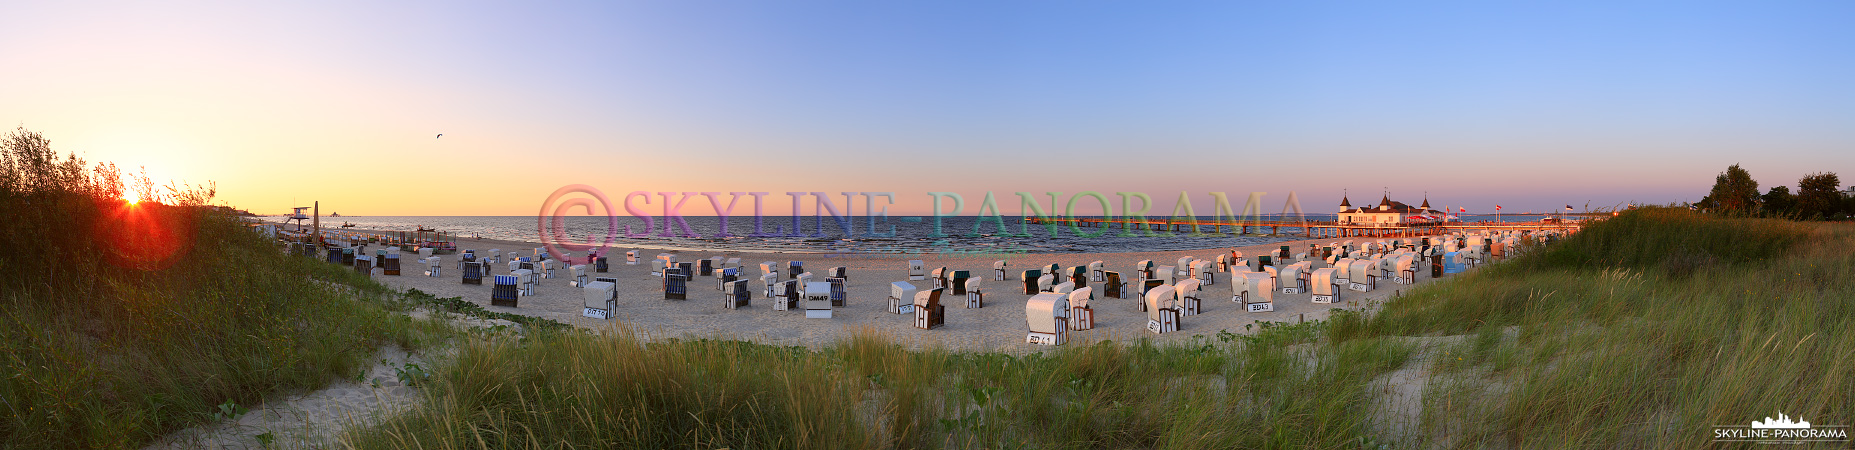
{"x": 131, "y": 198}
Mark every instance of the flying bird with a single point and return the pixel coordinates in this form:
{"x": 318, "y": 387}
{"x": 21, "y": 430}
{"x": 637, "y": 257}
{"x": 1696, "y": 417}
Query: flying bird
{"x": 439, "y": 135}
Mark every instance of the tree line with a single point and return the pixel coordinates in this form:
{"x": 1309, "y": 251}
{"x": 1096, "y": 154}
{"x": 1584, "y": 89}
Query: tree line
{"x": 1818, "y": 197}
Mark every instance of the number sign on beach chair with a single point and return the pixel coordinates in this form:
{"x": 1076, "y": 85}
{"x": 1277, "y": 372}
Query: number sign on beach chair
{"x": 1324, "y": 282}
{"x": 818, "y": 300}
{"x": 1081, "y": 315}
{"x": 735, "y": 295}
{"x": 504, "y": 293}
{"x": 1162, "y": 313}
{"x": 1047, "y": 316}
{"x": 900, "y": 294}
{"x": 929, "y": 313}
{"x": 601, "y": 299}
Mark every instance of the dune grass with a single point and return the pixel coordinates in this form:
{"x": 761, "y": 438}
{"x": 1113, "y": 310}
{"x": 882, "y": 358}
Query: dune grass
{"x": 120, "y": 323}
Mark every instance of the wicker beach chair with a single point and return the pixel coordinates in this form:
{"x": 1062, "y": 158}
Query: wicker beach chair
{"x": 900, "y": 294}
{"x": 1188, "y": 301}
{"x": 505, "y": 291}
{"x": 998, "y": 270}
{"x": 734, "y": 294}
{"x": 975, "y": 298}
{"x": 1162, "y": 310}
{"x": 840, "y": 296}
{"x": 929, "y": 313}
{"x": 1324, "y": 284}
{"x": 1081, "y": 315}
{"x": 601, "y": 299}
{"x": 1096, "y": 272}
{"x": 1047, "y": 316}
{"x": 917, "y": 270}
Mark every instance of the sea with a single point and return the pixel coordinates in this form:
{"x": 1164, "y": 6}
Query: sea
{"x": 958, "y": 234}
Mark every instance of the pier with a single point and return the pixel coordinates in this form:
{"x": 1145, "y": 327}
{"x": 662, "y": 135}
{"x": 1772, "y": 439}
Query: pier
{"x": 1311, "y": 228}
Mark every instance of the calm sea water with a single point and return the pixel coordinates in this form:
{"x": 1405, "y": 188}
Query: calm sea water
{"x": 911, "y": 234}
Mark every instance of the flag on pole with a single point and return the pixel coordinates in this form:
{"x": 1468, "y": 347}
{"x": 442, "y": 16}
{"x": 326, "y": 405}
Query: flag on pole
{"x": 1462, "y": 210}
{"x": 1568, "y": 207}
{"x": 1497, "y": 207}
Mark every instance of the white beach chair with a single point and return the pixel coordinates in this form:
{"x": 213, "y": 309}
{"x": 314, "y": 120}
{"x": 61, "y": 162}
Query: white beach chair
{"x": 1164, "y": 273}
{"x": 1046, "y": 282}
{"x": 1288, "y": 280}
{"x": 917, "y": 270}
{"x": 1064, "y": 287}
{"x": 1255, "y": 290}
{"x": 1081, "y": 315}
{"x": 1360, "y": 276}
{"x": 1324, "y": 284}
{"x": 901, "y": 293}
{"x": 631, "y": 257}
{"x": 1205, "y": 271}
{"x": 1184, "y": 267}
{"x": 578, "y": 275}
{"x": 938, "y": 277}
{"x": 1144, "y": 269}
{"x": 1188, "y": 301}
{"x": 817, "y": 300}
{"x": 1162, "y": 311}
{"x": 771, "y": 281}
{"x": 601, "y": 299}
{"x": 1095, "y": 272}
{"x": 974, "y": 297}
{"x": 1047, "y": 316}
{"x": 526, "y": 281}
{"x": 432, "y": 264}
{"x": 734, "y": 294}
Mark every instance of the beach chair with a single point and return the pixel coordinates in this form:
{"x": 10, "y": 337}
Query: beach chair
{"x": 734, "y": 294}
{"x": 1081, "y": 315}
{"x": 467, "y": 256}
{"x": 505, "y": 291}
{"x": 1289, "y": 280}
{"x": 473, "y": 273}
{"x": 1345, "y": 267}
{"x": 794, "y": 268}
{"x": 1361, "y": 276}
{"x": 956, "y": 280}
{"x": 1223, "y": 263}
{"x": 1053, "y": 270}
{"x": 837, "y": 272}
{"x": 733, "y": 262}
{"x": 803, "y": 278}
{"x": 576, "y": 275}
{"x": 706, "y": 267}
{"x": 549, "y": 267}
{"x": 818, "y": 300}
{"x": 1063, "y": 288}
{"x": 769, "y": 267}
{"x": 631, "y": 257}
{"x": 975, "y": 298}
{"x": 929, "y": 313}
{"x": 1189, "y": 302}
{"x": 1184, "y": 267}
{"x": 1046, "y": 282}
{"x": 1144, "y": 268}
{"x": 1324, "y": 284}
{"x": 1047, "y": 316}
{"x": 998, "y": 270}
{"x": 688, "y": 269}
{"x": 900, "y": 293}
{"x": 599, "y": 265}
{"x": 790, "y": 293}
{"x": 1204, "y": 271}
{"x": 347, "y": 256}
{"x": 601, "y": 299}
{"x": 1164, "y": 273}
{"x": 1162, "y": 310}
{"x": 840, "y": 296}
{"x": 364, "y": 265}
{"x": 771, "y": 281}
{"x": 725, "y": 276}
{"x": 1255, "y": 290}
{"x": 390, "y": 265}
{"x": 432, "y": 265}
{"x": 938, "y": 277}
{"x": 675, "y": 285}
{"x": 1452, "y": 263}
{"x": 1079, "y": 276}
{"x": 1095, "y": 271}
{"x": 1030, "y": 281}
{"x": 917, "y": 270}
{"x": 1113, "y": 287}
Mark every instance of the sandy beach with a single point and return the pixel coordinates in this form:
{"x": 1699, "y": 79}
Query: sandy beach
{"x": 1000, "y": 325}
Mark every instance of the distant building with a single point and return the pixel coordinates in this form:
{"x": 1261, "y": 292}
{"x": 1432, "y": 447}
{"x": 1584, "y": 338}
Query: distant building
{"x": 1388, "y": 212}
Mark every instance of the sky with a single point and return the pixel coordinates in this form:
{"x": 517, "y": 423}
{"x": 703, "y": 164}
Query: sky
{"x": 1528, "y": 105}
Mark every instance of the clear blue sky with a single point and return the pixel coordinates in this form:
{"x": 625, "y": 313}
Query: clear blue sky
{"x": 1532, "y": 105}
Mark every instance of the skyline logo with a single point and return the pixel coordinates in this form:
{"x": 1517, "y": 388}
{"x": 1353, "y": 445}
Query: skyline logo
{"x": 1782, "y": 430}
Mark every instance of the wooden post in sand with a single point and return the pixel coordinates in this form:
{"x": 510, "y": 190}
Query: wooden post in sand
{"x": 317, "y": 229}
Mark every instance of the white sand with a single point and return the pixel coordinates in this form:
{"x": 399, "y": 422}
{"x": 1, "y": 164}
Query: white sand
{"x": 1000, "y": 325}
